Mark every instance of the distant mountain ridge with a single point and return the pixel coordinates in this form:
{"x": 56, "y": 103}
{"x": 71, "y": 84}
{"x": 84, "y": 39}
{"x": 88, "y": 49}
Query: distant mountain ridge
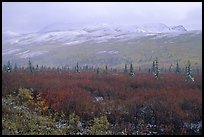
{"x": 98, "y": 44}
{"x": 179, "y": 28}
{"x": 154, "y": 27}
{"x": 68, "y": 33}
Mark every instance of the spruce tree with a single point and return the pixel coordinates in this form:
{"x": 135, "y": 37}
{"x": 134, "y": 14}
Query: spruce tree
{"x": 125, "y": 68}
{"x": 149, "y": 70}
{"x": 77, "y": 68}
{"x": 156, "y": 69}
{"x": 58, "y": 69}
{"x": 153, "y": 67}
{"x": 97, "y": 71}
{"x": 86, "y": 67}
{"x": 30, "y": 66}
{"x": 131, "y": 74}
{"x": 9, "y": 67}
{"x": 188, "y": 72}
{"x": 106, "y": 71}
{"x": 37, "y": 68}
{"x": 170, "y": 68}
{"x": 177, "y": 67}
{"x": 188, "y": 68}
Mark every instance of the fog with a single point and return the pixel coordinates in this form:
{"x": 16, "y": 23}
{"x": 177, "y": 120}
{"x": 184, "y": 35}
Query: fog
{"x": 22, "y": 17}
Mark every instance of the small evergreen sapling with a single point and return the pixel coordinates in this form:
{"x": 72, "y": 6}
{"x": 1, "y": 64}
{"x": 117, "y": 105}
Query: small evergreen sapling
{"x": 131, "y": 74}
{"x": 156, "y": 75}
{"x": 125, "y": 68}
{"x": 188, "y": 72}
{"x": 9, "y": 67}
{"x": 155, "y": 68}
{"x": 106, "y": 71}
{"x": 77, "y": 68}
{"x": 97, "y": 71}
{"x": 177, "y": 67}
{"x": 30, "y": 66}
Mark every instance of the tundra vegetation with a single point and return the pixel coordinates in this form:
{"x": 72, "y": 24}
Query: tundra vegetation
{"x": 101, "y": 101}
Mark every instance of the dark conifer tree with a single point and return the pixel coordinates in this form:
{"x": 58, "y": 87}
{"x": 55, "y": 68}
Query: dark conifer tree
{"x": 97, "y": 71}
{"x": 106, "y": 69}
{"x": 125, "y": 68}
{"x": 177, "y": 67}
{"x": 77, "y": 68}
{"x": 30, "y": 66}
{"x": 189, "y": 72}
{"x": 9, "y": 67}
{"x": 156, "y": 69}
{"x": 131, "y": 74}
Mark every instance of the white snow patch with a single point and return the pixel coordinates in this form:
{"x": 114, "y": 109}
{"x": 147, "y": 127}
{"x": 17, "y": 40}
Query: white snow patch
{"x": 193, "y": 126}
{"x": 32, "y": 54}
{"x": 74, "y": 42}
{"x": 159, "y": 36}
{"x": 99, "y": 99}
{"x": 13, "y": 41}
{"x": 100, "y": 39}
{"x": 112, "y": 52}
{"x": 100, "y": 52}
{"x": 62, "y": 35}
{"x": 23, "y": 52}
{"x": 10, "y": 51}
{"x": 150, "y": 34}
{"x": 108, "y": 52}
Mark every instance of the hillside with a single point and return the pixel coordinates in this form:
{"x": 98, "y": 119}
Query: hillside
{"x": 97, "y": 45}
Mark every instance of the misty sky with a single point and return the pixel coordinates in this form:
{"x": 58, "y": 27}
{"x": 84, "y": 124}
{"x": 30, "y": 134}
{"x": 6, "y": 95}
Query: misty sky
{"x": 28, "y": 17}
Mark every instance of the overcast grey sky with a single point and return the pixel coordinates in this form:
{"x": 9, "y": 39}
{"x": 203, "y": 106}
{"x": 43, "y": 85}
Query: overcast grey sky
{"x": 27, "y": 17}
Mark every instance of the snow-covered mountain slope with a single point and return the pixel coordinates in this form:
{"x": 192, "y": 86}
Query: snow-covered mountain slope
{"x": 56, "y": 45}
{"x": 178, "y": 28}
{"x": 9, "y": 34}
{"x": 98, "y": 33}
{"x": 154, "y": 28}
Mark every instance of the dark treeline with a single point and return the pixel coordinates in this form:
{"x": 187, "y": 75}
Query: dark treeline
{"x": 128, "y": 68}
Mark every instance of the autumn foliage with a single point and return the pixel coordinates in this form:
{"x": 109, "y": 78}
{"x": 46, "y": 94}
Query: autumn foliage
{"x": 133, "y": 105}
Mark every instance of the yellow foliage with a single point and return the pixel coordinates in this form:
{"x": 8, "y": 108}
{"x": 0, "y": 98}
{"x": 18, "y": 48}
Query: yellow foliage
{"x": 25, "y": 95}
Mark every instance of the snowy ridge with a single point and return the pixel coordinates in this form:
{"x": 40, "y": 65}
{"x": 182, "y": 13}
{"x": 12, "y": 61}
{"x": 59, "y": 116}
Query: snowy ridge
{"x": 99, "y": 33}
{"x": 9, "y": 34}
{"x": 64, "y": 35}
{"x": 178, "y": 28}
